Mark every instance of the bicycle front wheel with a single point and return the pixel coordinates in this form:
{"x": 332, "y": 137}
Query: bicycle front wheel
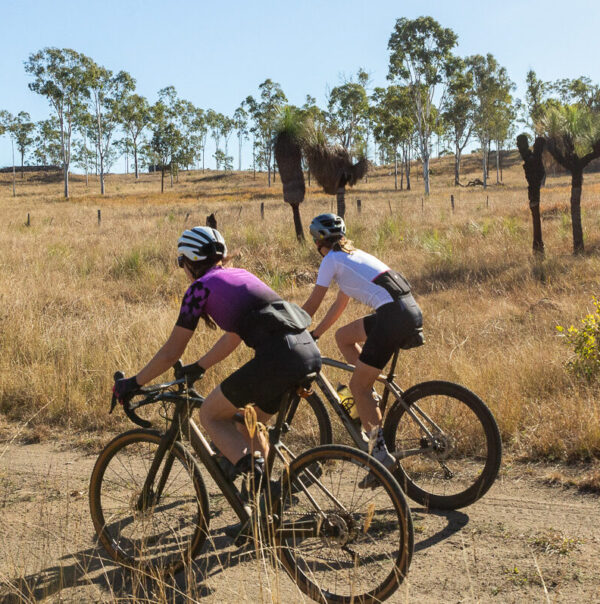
{"x": 163, "y": 526}
{"x": 457, "y": 462}
{"x": 338, "y": 542}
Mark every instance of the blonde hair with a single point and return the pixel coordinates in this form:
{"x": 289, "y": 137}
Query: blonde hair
{"x": 341, "y": 245}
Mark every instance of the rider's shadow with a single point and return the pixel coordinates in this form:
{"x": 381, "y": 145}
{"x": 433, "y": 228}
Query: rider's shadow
{"x": 455, "y": 521}
{"x": 92, "y": 567}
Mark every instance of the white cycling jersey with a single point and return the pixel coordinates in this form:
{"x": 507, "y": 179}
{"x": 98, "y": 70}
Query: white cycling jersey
{"x": 354, "y": 273}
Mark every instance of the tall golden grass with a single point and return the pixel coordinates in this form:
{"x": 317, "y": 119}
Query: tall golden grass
{"x": 80, "y": 300}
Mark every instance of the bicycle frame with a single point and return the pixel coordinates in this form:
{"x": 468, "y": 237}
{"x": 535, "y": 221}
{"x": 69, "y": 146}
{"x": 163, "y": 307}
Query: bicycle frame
{"x": 390, "y": 387}
{"x": 182, "y": 425}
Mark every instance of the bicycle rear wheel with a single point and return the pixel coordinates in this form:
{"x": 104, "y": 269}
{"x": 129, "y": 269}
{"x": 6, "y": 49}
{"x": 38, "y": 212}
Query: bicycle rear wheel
{"x": 163, "y": 531}
{"x": 460, "y": 463}
{"x": 340, "y": 543}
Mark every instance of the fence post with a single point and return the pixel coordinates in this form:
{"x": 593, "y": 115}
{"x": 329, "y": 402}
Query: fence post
{"x": 28, "y": 223}
{"x": 240, "y": 212}
{"x": 99, "y": 217}
{"x": 390, "y": 206}
{"x": 452, "y": 202}
{"x": 262, "y": 210}
{"x": 422, "y": 203}
{"x": 358, "y": 205}
{"x": 487, "y": 201}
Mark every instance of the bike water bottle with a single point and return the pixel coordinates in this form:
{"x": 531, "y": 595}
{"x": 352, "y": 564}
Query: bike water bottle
{"x": 348, "y": 403}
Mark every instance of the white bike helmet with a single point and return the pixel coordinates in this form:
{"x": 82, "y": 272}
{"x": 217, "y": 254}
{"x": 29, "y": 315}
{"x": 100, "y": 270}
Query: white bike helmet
{"x": 202, "y": 243}
{"x": 327, "y": 227}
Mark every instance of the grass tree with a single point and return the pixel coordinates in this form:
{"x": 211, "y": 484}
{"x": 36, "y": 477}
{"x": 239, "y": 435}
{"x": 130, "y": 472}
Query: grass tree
{"x": 288, "y": 155}
{"x": 572, "y": 135}
{"x": 332, "y": 166}
{"x": 535, "y": 174}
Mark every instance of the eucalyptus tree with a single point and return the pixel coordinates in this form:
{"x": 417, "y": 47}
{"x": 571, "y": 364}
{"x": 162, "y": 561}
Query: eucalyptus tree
{"x": 47, "y": 149}
{"x": 393, "y": 126}
{"x": 8, "y": 126}
{"x": 59, "y": 75}
{"x": 227, "y": 128}
{"x": 200, "y": 130}
{"x": 24, "y": 128}
{"x": 458, "y": 114}
{"x": 572, "y": 136}
{"x": 264, "y": 112}
{"x": 581, "y": 91}
{"x": 421, "y": 57}
{"x": 106, "y": 95}
{"x": 166, "y": 138}
{"x": 134, "y": 117}
{"x": 491, "y": 89}
{"x": 240, "y": 123}
{"x": 213, "y": 122}
{"x": 348, "y": 108}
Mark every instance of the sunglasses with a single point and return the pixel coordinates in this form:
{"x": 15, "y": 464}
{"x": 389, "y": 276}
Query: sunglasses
{"x": 180, "y": 261}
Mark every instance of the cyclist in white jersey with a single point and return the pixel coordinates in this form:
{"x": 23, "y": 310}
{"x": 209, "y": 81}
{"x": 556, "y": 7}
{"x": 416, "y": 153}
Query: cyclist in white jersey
{"x": 396, "y": 322}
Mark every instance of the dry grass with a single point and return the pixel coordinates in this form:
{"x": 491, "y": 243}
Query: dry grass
{"x": 80, "y": 300}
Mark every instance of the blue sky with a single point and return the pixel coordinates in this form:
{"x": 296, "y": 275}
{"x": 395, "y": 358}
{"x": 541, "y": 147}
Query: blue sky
{"x": 216, "y": 53}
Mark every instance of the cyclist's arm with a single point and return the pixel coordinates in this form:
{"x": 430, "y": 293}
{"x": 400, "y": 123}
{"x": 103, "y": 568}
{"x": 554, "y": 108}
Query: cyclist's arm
{"x": 223, "y": 347}
{"x": 167, "y": 356}
{"x": 314, "y": 300}
{"x": 332, "y": 315}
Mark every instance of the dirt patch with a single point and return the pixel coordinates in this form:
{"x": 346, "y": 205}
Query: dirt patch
{"x": 524, "y": 541}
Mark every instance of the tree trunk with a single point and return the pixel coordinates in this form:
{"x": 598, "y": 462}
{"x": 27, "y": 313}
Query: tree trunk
{"x": 135, "y": 161}
{"x": 497, "y": 163}
{"x": 14, "y": 175}
{"x": 171, "y": 173}
{"x": 396, "y": 170}
{"x": 457, "y": 156}
{"x": 309, "y": 177}
{"x": 162, "y": 179}
{"x": 341, "y": 201}
{"x": 22, "y": 165}
{"x": 101, "y": 174}
{"x": 408, "y": 188}
{"x": 576, "y": 186}
{"x": 484, "y": 164}
{"x": 426, "y": 172}
{"x": 297, "y": 221}
{"x": 66, "y": 177}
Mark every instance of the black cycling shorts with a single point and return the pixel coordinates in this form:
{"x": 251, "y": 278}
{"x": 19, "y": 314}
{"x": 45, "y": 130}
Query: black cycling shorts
{"x": 277, "y": 366}
{"x": 395, "y": 325}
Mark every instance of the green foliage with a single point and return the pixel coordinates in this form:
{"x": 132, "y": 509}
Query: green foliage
{"x": 572, "y": 129}
{"x": 585, "y": 342}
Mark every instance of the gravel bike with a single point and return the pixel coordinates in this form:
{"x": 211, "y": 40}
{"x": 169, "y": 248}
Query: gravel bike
{"x": 445, "y": 438}
{"x": 151, "y": 507}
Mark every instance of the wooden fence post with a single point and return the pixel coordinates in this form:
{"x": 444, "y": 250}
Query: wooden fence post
{"x": 262, "y": 210}
{"x": 452, "y": 202}
{"x": 390, "y": 206}
{"x": 422, "y": 203}
{"x": 99, "y": 217}
{"x": 487, "y": 201}
{"x": 359, "y": 205}
{"x": 28, "y": 223}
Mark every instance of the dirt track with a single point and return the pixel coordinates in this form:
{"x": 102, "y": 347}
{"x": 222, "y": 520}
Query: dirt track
{"x": 524, "y": 541}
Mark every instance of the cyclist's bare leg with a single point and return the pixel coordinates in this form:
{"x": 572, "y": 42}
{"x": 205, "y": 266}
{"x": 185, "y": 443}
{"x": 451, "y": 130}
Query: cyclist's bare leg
{"x": 216, "y": 415}
{"x": 348, "y": 338}
{"x": 361, "y": 386}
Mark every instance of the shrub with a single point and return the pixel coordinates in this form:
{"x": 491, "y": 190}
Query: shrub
{"x": 586, "y": 344}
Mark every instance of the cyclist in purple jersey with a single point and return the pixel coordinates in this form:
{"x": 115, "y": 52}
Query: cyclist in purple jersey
{"x": 234, "y": 300}
{"x": 367, "y": 343}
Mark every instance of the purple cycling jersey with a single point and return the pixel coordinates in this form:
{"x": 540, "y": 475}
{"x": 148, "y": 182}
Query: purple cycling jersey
{"x": 226, "y": 295}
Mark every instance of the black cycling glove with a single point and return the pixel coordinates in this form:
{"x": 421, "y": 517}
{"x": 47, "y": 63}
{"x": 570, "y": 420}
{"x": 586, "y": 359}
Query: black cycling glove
{"x": 192, "y": 372}
{"x": 125, "y": 389}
